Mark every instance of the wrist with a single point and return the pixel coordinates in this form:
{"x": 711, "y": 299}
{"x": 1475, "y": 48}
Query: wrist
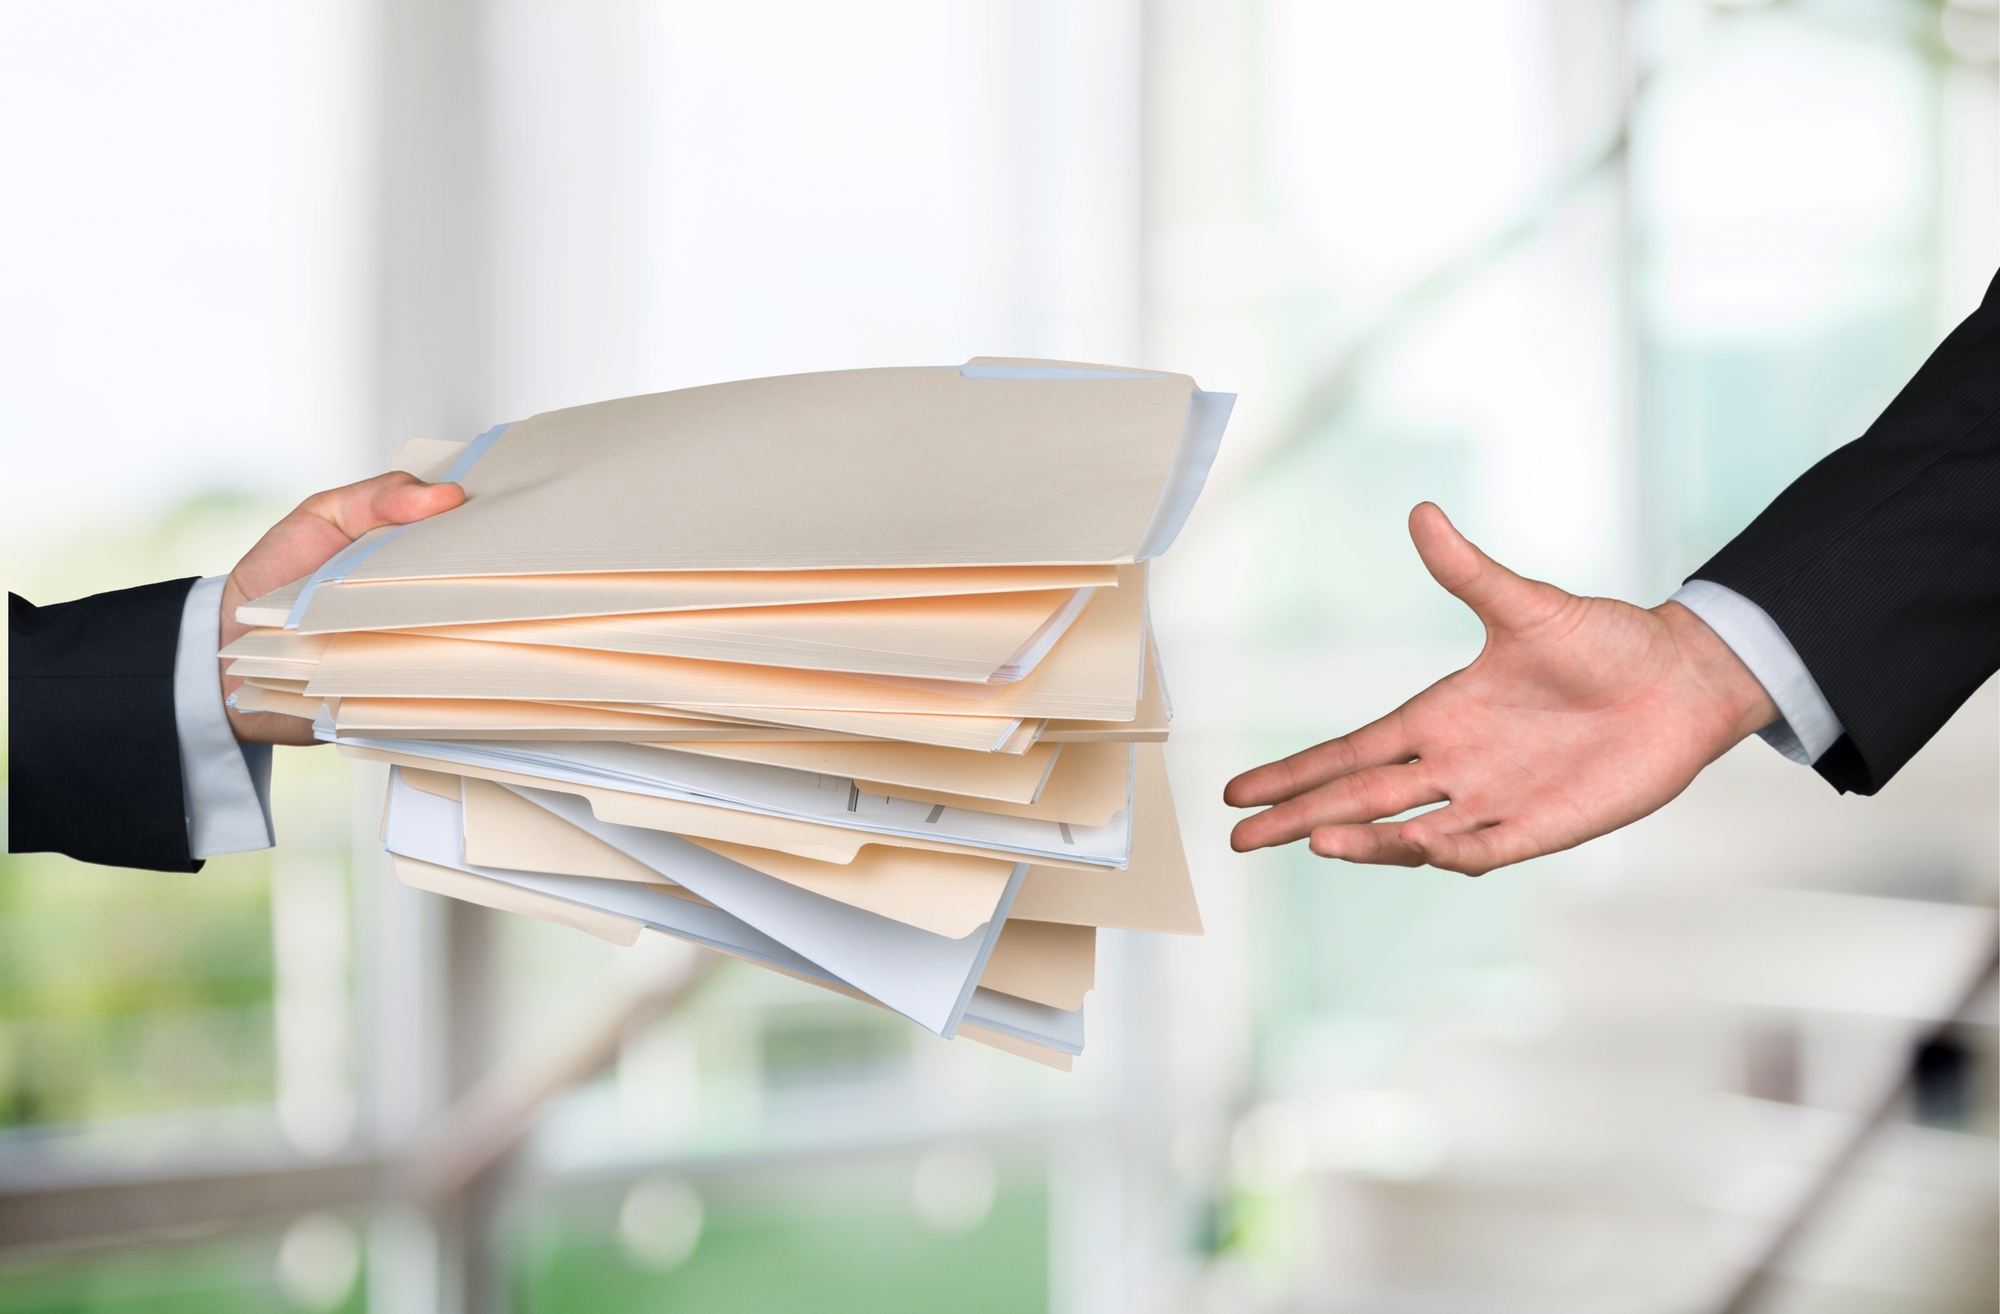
{"x": 1742, "y": 703}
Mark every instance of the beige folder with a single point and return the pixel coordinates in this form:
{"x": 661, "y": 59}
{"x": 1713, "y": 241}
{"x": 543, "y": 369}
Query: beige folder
{"x": 980, "y": 734}
{"x": 856, "y": 469}
{"x": 1027, "y": 1049}
{"x": 1093, "y": 672}
{"x": 480, "y": 600}
{"x": 1047, "y": 962}
{"x": 270, "y": 644}
{"x": 256, "y": 698}
{"x": 625, "y": 932}
{"x": 1154, "y": 893}
{"x": 297, "y": 687}
{"x": 965, "y": 638}
{"x": 1050, "y": 963}
{"x": 472, "y": 719}
{"x": 1088, "y": 785}
{"x": 806, "y": 839}
{"x": 881, "y": 768}
{"x": 1149, "y": 724}
{"x": 489, "y": 893}
{"x": 282, "y": 670}
{"x": 461, "y": 718}
{"x": 999, "y": 1040}
{"x": 946, "y": 894}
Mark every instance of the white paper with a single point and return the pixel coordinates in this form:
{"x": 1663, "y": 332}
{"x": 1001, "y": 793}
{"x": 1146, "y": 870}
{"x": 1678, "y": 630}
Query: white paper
{"x": 775, "y": 792}
{"x": 927, "y": 978}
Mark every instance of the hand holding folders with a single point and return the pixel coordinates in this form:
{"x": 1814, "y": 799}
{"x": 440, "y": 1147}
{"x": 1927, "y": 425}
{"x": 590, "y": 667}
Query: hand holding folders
{"x": 845, "y": 674}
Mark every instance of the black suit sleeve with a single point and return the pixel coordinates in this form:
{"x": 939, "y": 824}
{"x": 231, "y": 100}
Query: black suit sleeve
{"x": 93, "y": 762}
{"x": 1882, "y": 563}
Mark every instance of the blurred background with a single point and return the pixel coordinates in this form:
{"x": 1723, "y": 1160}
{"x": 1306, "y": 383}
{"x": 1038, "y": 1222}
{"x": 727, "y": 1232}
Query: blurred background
{"x": 1599, "y": 276}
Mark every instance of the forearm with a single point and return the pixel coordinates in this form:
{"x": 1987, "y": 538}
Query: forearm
{"x": 1881, "y": 564}
{"x": 94, "y": 766}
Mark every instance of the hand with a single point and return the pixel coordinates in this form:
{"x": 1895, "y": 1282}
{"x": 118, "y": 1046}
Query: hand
{"x": 1579, "y": 716}
{"x": 300, "y": 544}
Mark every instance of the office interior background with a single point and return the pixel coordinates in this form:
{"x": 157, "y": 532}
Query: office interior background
{"x": 1600, "y": 277}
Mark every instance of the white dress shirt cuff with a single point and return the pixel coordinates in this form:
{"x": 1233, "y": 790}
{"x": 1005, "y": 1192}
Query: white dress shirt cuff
{"x": 1807, "y": 726}
{"x": 226, "y": 786}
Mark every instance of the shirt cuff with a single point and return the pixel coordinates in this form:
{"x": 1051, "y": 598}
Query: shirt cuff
{"x": 1807, "y": 726}
{"x": 226, "y": 786}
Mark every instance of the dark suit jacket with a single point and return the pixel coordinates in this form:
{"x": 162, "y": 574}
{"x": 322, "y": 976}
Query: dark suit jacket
{"x": 1882, "y": 563}
{"x": 93, "y": 758}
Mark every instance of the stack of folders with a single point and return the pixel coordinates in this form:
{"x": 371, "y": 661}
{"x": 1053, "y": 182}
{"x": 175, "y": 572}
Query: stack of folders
{"x": 845, "y": 674}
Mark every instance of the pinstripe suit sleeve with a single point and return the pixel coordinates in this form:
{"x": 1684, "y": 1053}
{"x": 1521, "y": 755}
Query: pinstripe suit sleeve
{"x": 93, "y": 755}
{"x": 1881, "y": 563}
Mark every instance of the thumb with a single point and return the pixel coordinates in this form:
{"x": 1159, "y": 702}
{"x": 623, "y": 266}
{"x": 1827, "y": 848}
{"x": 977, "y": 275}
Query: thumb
{"x": 325, "y": 523}
{"x": 388, "y": 499}
{"x": 1499, "y": 597}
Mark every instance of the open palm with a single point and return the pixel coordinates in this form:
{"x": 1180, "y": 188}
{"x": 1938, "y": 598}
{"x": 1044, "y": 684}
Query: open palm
{"x": 1579, "y": 716}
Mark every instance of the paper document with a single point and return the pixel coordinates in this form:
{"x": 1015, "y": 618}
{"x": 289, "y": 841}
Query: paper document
{"x": 776, "y": 792}
{"x": 980, "y": 638}
{"x": 856, "y": 469}
{"x": 807, "y": 839}
{"x": 1011, "y": 778}
{"x": 946, "y": 894}
{"x": 480, "y": 600}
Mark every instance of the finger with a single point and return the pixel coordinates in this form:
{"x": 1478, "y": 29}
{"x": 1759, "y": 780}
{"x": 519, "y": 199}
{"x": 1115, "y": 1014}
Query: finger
{"x": 1451, "y": 819}
{"x": 395, "y": 498}
{"x": 1378, "y": 743}
{"x": 1377, "y": 845}
{"x": 1497, "y": 595}
{"x": 1471, "y": 852}
{"x": 324, "y": 524}
{"x": 270, "y": 728}
{"x": 1366, "y": 795}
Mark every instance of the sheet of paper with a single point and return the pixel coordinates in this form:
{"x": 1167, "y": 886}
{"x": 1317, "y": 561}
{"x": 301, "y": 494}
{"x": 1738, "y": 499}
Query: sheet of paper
{"x": 775, "y": 792}
{"x": 401, "y": 604}
{"x": 853, "y": 469}
{"x": 1088, "y": 786}
{"x": 947, "y": 894}
{"x": 978, "y": 734}
{"x": 1036, "y": 1031}
{"x": 1155, "y": 892}
{"x": 927, "y": 978}
{"x": 964, "y": 638}
{"x": 804, "y": 838}
{"x": 1010, "y": 778}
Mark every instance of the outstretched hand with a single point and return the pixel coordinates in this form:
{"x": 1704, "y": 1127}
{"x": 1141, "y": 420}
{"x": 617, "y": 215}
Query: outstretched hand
{"x": 1579, "y": 716}
{"x": 301, "y": 543}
